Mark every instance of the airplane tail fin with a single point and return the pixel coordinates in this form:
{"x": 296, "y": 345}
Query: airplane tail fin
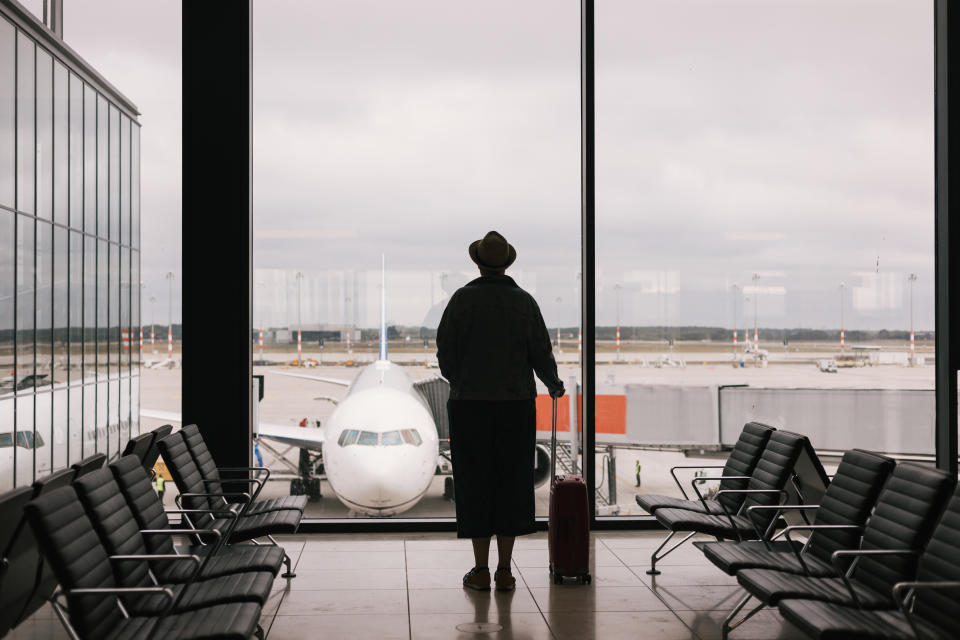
{"x": 383, "y": 307}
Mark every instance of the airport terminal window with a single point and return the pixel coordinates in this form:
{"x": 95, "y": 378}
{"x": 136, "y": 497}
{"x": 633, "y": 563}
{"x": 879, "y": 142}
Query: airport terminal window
{"x": 746, "y": 268}
{"x": 63, "y": 292}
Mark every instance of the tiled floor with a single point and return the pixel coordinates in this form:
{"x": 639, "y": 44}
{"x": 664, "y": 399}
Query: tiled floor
{"x": 408, "y": 586}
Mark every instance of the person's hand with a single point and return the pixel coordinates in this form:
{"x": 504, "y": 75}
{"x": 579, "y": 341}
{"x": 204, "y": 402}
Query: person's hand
{"x": 557, "y": 392}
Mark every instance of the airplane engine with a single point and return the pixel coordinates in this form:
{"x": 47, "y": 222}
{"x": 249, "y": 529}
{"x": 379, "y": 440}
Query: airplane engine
{"x": 541, "y": 465}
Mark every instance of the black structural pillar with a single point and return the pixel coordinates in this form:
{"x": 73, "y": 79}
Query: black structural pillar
{"x": 587, "y": 251}
{"x": 217, "y": 219}
{"x": 947, "y": 233}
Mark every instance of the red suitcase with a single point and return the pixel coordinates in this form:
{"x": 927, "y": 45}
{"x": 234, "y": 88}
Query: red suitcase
{"x": 568, "y": 533}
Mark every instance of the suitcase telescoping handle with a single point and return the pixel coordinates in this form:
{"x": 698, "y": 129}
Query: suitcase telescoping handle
{"x": 553, "y": 440}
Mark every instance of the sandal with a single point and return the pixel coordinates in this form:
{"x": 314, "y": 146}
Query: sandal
{"x": 504, "y": 579}
{"x": 477, "y": 579}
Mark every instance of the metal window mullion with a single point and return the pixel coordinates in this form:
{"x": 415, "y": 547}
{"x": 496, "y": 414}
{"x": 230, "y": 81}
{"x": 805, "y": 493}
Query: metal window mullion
{"x": 588, "y": 246}
{"x": 16, "y": 234}
{"x": 36, "y": 171}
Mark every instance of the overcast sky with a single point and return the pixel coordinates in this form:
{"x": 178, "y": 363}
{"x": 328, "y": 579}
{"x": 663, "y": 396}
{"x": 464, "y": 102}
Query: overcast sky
{"x": 791, "y": 139}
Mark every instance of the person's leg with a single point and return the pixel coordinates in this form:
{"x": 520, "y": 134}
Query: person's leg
{"x": 481, "y": 552}
{"x": 504, "y": 551}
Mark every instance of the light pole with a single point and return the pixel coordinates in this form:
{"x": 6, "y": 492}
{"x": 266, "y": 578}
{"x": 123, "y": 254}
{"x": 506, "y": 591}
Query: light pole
{"x": 735, "y": 289}
{"x": 617, "y": 288}
{"x": 299, "y": 277}
{"x": 559, "y": 300}
{"x": 346, "y": 317}
{"x": 756, "y": 303}
{"x": 169, "y": 277}
{"x": 153, "y": 341}
{"x": 842, "y": 336}
{"x": 911, "y": 279}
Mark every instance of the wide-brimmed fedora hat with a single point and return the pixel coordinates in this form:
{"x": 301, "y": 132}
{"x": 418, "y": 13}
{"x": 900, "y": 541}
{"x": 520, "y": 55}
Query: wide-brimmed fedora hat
{"x": 492, "y": 251}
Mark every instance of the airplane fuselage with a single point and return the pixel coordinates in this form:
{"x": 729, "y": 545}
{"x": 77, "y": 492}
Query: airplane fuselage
{"x": 380, "y": 447}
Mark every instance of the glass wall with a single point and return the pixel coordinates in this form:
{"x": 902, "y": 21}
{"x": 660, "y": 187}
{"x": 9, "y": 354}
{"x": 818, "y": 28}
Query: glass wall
{"x": 765, "y": 211}
{"x": 374, "y": 141}
{"x": 64, "y": 254}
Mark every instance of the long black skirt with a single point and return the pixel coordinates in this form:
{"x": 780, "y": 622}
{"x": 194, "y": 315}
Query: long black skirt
{"x": 493, "y": 448}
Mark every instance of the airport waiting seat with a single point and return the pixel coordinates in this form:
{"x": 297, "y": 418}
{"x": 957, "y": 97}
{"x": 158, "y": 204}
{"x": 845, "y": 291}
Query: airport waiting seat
{"x": 766, "y": 487}
{"x": 137, "y": 490}
{"x": 901, "y": 524}
{"x": 120, "y": 536}
{"x": 153, "y": 453}
{"x": 68, "y": 541}
{"x": 734, "y": 475}
{"x": 193, "y": 495}
{"x": 840, "y": 516}
{"x": 926, "y": 604}
{"x": 214, "y": 483}
{"x": 139, "y": 446}
{"x": 88, "y": 464}
{"x": 18, "y": 557}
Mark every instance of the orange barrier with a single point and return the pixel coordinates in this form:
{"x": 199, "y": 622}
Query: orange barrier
{"x": 611, "y": 412}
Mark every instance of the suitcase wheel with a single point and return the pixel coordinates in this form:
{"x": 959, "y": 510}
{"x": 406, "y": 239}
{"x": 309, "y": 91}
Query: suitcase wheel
{"x": 557, "y": 578}
{"x": 584, "y": 579}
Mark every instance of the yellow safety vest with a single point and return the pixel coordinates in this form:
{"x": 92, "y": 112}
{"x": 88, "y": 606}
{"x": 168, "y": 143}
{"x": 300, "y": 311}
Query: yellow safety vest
{"x": 159, "y": 483}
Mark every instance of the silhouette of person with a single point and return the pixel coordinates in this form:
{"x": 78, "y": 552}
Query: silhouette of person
{"x": 490, "y": 342}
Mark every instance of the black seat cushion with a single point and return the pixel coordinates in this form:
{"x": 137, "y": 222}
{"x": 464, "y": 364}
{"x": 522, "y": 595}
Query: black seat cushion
{"x": 720, "y": 526}
{"x": 227, "y": 560}
{"x": 771, "y": 586}
{"x": 247, "y": 586}
{"x": 222, "y": 622}
{"x": 261, "y": 524}
{"x": 734, "y": 556}
{"x": 650, "y": 502}
{"x": 829, "y": 621}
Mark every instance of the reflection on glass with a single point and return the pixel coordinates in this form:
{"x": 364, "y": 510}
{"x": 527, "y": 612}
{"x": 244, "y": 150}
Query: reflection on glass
{"x": 136, "y": 330}
{"x": 134, "y": 404}
{"x": 113, "y": 418}
{"x": 100, "y": 426}
{"x": 124, "y": 180}
{"x": 124, "y": 423}
{"x": 44, "y": 117}
{"x": 26, "y": 140}
{"x": 44, "y": 303}
{"x": 89, "y": 443}
{"x": 103, "y": 306}
{"x": 25, "y": 302}
{"x": 76, "y": 152}
{"x": 135, "y": 186}
{"x": 114, "y": 164}
{"x": 126, "y": 335}
{"x": 7, "y": 114}
{"x": 89, "y": 308}
{"x": 75, "y": 315}
{"x": 23, "y": 439}
{"x": 43, "y": 434}
{"x": 6, "y": 442}
{"x": 113, "y": 298}
{"x": 103, "y": 132}
{"x": 7, "y": 292}
{"x": 60, "y": 422}
{"x": 75, "y": 428}
{"x": 90, "y": 170}
{"x": 61, "y": 143}
{"x": 61, "y": 305}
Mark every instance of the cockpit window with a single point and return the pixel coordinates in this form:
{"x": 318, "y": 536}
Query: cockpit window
{"x": 369, "y": 438}
{"x": 6, "y": 440}
{"x": 25, "y": 439}
{"x": 391, "y": 438}
{"x": 411, "y": 436}
{"x": 348, "y": 437}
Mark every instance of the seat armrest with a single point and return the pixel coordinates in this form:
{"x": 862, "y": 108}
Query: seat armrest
{"x": 688, "y": 466}
{"x": 836, "y": 557}
{"x": 905, "y": 600}
{"x": 695, "y": 481}
{"x": 748, "y": 491}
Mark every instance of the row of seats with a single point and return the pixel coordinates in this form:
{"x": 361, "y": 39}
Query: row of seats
{"x": 880, "y": 559}
{"x": 111, "y": 567}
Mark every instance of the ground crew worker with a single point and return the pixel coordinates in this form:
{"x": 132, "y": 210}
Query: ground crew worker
{"x": 637, "y": 471}
{"x": 159, "y": 483}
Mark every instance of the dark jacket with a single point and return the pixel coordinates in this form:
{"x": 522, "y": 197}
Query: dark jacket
{"x": 491, "y": 340}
